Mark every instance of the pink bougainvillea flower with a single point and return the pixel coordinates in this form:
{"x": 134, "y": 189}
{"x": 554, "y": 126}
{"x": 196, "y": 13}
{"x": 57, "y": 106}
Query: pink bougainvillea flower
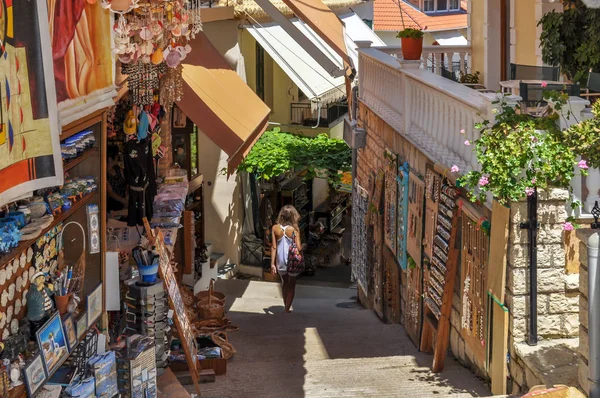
{"x": 462, "y": 131}
{"x": 454, "y": 169}
{"x": 483, "y": 181}
{"x": 533, "y": 180}
{"x": 467, "y": 143}
{"x": 529, "y": 191}
{"x": 544, "y": 84}
{"x": 534, "y": 138}
{"x": 568, "y": 226}
{"x": 583, "y": 164}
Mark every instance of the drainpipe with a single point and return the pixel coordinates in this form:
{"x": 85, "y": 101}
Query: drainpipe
{"x": 532, "y": 225}
{"x": 593, "y": 244}
{"x": 353, "y": 117}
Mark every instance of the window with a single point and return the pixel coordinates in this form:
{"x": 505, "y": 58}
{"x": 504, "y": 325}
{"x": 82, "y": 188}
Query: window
{"x": 260, "y": 72}
{"x": 441, "y": 5}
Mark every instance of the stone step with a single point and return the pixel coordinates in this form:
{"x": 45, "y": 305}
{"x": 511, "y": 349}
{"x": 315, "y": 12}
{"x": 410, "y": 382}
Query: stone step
{"x": 217, "y": 259}
{"x": 228, "y": 271}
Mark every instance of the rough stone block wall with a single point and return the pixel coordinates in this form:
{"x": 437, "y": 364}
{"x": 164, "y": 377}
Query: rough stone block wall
{"x": 558, "y": 291}
{"x": 583, "y": 235}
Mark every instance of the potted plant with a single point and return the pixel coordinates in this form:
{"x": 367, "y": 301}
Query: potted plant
{"x": 410, "y": 38}
{"x": 412, "y": 43}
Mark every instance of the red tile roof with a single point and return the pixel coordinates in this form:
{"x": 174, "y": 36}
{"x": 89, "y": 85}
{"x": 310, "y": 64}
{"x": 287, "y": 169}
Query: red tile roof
{"x": 387, "y": 17}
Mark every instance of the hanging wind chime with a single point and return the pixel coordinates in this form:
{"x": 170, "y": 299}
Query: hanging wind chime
{"x": 151, "y": 39}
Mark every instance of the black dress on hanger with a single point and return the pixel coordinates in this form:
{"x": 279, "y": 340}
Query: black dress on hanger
{"x": 140, "y": 175}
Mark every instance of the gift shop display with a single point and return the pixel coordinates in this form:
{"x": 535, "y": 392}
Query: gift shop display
{"x": 136, "y": 368}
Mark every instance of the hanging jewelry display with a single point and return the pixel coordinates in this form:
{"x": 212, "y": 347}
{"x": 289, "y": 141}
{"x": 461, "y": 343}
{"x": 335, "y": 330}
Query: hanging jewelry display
{"x": 474, "y": 256}
{"x": 151, "y": 39}
{"x": 441, "y": 242}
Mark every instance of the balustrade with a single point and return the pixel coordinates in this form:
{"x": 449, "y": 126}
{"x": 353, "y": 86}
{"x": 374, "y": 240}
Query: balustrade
{"x": 429, "y": 110}
{"x": 439, "y": 59}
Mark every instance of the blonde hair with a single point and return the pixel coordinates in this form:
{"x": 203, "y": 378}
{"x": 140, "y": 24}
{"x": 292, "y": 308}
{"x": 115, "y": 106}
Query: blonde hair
{"x": 288, "y": 215}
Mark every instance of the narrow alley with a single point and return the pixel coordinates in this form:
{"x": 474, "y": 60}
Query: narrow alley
{"x": 328, "y": 347}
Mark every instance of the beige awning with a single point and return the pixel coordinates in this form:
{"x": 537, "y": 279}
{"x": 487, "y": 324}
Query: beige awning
{"x": 220, "y": 103}
{"x": 326, "y": 24}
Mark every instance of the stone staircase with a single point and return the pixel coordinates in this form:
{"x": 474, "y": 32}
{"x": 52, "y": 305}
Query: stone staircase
{"x": 328, "y": 347}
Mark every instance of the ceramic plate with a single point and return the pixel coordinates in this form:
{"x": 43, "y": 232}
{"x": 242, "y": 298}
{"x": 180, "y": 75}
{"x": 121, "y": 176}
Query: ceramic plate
{"x": 14, "y": 326}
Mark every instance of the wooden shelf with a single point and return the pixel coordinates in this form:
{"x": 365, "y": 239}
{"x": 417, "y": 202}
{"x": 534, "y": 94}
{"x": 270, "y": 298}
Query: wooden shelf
{"x": 24, "y": 245}
{"x": 82, "y": 124}
{"x": 68, "y": 165}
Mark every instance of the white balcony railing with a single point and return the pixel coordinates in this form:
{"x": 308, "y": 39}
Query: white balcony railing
{"x": 441, "y": 60}
{"x": 428, "y": 109}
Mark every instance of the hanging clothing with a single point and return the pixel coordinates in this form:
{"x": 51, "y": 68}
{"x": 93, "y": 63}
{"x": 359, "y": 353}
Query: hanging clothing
{"x": 117, "y": 182}
{"x": 283, "y": 251}
{"x": 140, "y": 175}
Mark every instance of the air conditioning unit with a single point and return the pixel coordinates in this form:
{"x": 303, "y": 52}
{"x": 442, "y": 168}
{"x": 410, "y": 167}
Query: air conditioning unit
{"x": 354, "y": 136}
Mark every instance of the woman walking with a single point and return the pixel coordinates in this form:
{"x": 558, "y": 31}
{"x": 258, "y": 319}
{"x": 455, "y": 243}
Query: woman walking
{"x": 286, "y": 236}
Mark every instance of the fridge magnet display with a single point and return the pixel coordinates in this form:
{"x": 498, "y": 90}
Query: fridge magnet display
{"x": 53, "y": 343}
{"x": 81, "y": 325}
{"x": 70, "y": 333}
{"x": 94, "y": 305}
{"x": 34, "y": 375}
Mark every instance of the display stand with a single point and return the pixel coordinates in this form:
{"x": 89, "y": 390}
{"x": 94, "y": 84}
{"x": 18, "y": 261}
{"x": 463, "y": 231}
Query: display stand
{"x": 180, "y": 319}
{"x": 438, "y": 300}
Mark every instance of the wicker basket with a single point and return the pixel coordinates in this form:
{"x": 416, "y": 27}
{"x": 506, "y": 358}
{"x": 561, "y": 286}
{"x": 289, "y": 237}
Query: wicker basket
{"x": 211, "y": 308}
{"x": 217, "y": 297}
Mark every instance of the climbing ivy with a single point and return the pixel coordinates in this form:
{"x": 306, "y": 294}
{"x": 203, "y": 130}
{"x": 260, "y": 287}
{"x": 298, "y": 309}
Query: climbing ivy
{"x": 278, "y": 152}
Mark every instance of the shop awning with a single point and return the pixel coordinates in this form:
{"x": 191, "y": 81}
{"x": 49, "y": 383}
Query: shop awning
{"x": 305, "y": 72}
{"x": 450, "y": 38}
{"x": 326, "y": 24}
{"x": 220, "y": 103}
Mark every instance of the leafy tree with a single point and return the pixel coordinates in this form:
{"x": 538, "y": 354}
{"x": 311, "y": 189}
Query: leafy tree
{"x": 571, "y": 39}
{"x": 277, "y": 152}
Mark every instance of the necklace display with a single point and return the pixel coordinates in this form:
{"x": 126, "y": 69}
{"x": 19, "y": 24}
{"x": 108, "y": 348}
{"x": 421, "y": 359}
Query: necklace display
{"x": 151, "y": 39}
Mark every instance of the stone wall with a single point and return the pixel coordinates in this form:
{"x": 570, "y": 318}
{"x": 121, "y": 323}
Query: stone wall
{"x": 558, "y": 291}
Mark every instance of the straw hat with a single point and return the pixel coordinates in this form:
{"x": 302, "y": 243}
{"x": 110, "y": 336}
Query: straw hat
{"x": 130, "y": 124}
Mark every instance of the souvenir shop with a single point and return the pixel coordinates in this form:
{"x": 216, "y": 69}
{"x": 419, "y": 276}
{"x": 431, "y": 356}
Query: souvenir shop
{"x": 429, "y": 260}
{"x": 97, "y": 234}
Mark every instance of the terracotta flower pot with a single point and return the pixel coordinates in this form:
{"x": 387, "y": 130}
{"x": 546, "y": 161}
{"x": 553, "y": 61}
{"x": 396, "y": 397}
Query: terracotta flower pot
{"x": 411, "y": 48}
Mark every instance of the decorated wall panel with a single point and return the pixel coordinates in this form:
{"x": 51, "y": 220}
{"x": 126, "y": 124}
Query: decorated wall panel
{"x": 360, "y": 206}
{"x": 390, "y": 201}
{"x": 29, "y": 137}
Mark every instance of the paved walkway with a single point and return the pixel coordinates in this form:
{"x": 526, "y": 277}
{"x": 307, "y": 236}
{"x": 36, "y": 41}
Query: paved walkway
{"x": 328, "y": 347}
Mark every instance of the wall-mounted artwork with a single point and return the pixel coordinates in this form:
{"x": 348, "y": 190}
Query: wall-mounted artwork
{"x": 81, "y": 47}
{"x": 29, "y": 137}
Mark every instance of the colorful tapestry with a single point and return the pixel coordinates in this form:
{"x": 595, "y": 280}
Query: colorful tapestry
{"x": 29, "y": 138}
{"x": 81, "y": 47}
{"x": 390, "y": 227}
{"x": 402, "y": 212}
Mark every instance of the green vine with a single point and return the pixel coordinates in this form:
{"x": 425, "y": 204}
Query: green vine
{"x": 278, "y": 152}
{"x": 571, "y": 39}
{"x": 519, "y": 153}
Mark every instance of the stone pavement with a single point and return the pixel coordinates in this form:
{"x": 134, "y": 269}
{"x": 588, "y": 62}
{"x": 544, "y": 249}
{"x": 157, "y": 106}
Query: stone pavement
{"x": 328, "y": 347}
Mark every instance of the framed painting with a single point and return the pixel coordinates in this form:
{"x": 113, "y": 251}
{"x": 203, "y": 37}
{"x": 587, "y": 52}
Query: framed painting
{"x": 30, "y": 156}
{"x": 53, "y": 343}
{"x": 94, "y": 305}
{"x": 70, "y": 332}
{"x": 81, "y": 325}
{"x": 34, "y": 375}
